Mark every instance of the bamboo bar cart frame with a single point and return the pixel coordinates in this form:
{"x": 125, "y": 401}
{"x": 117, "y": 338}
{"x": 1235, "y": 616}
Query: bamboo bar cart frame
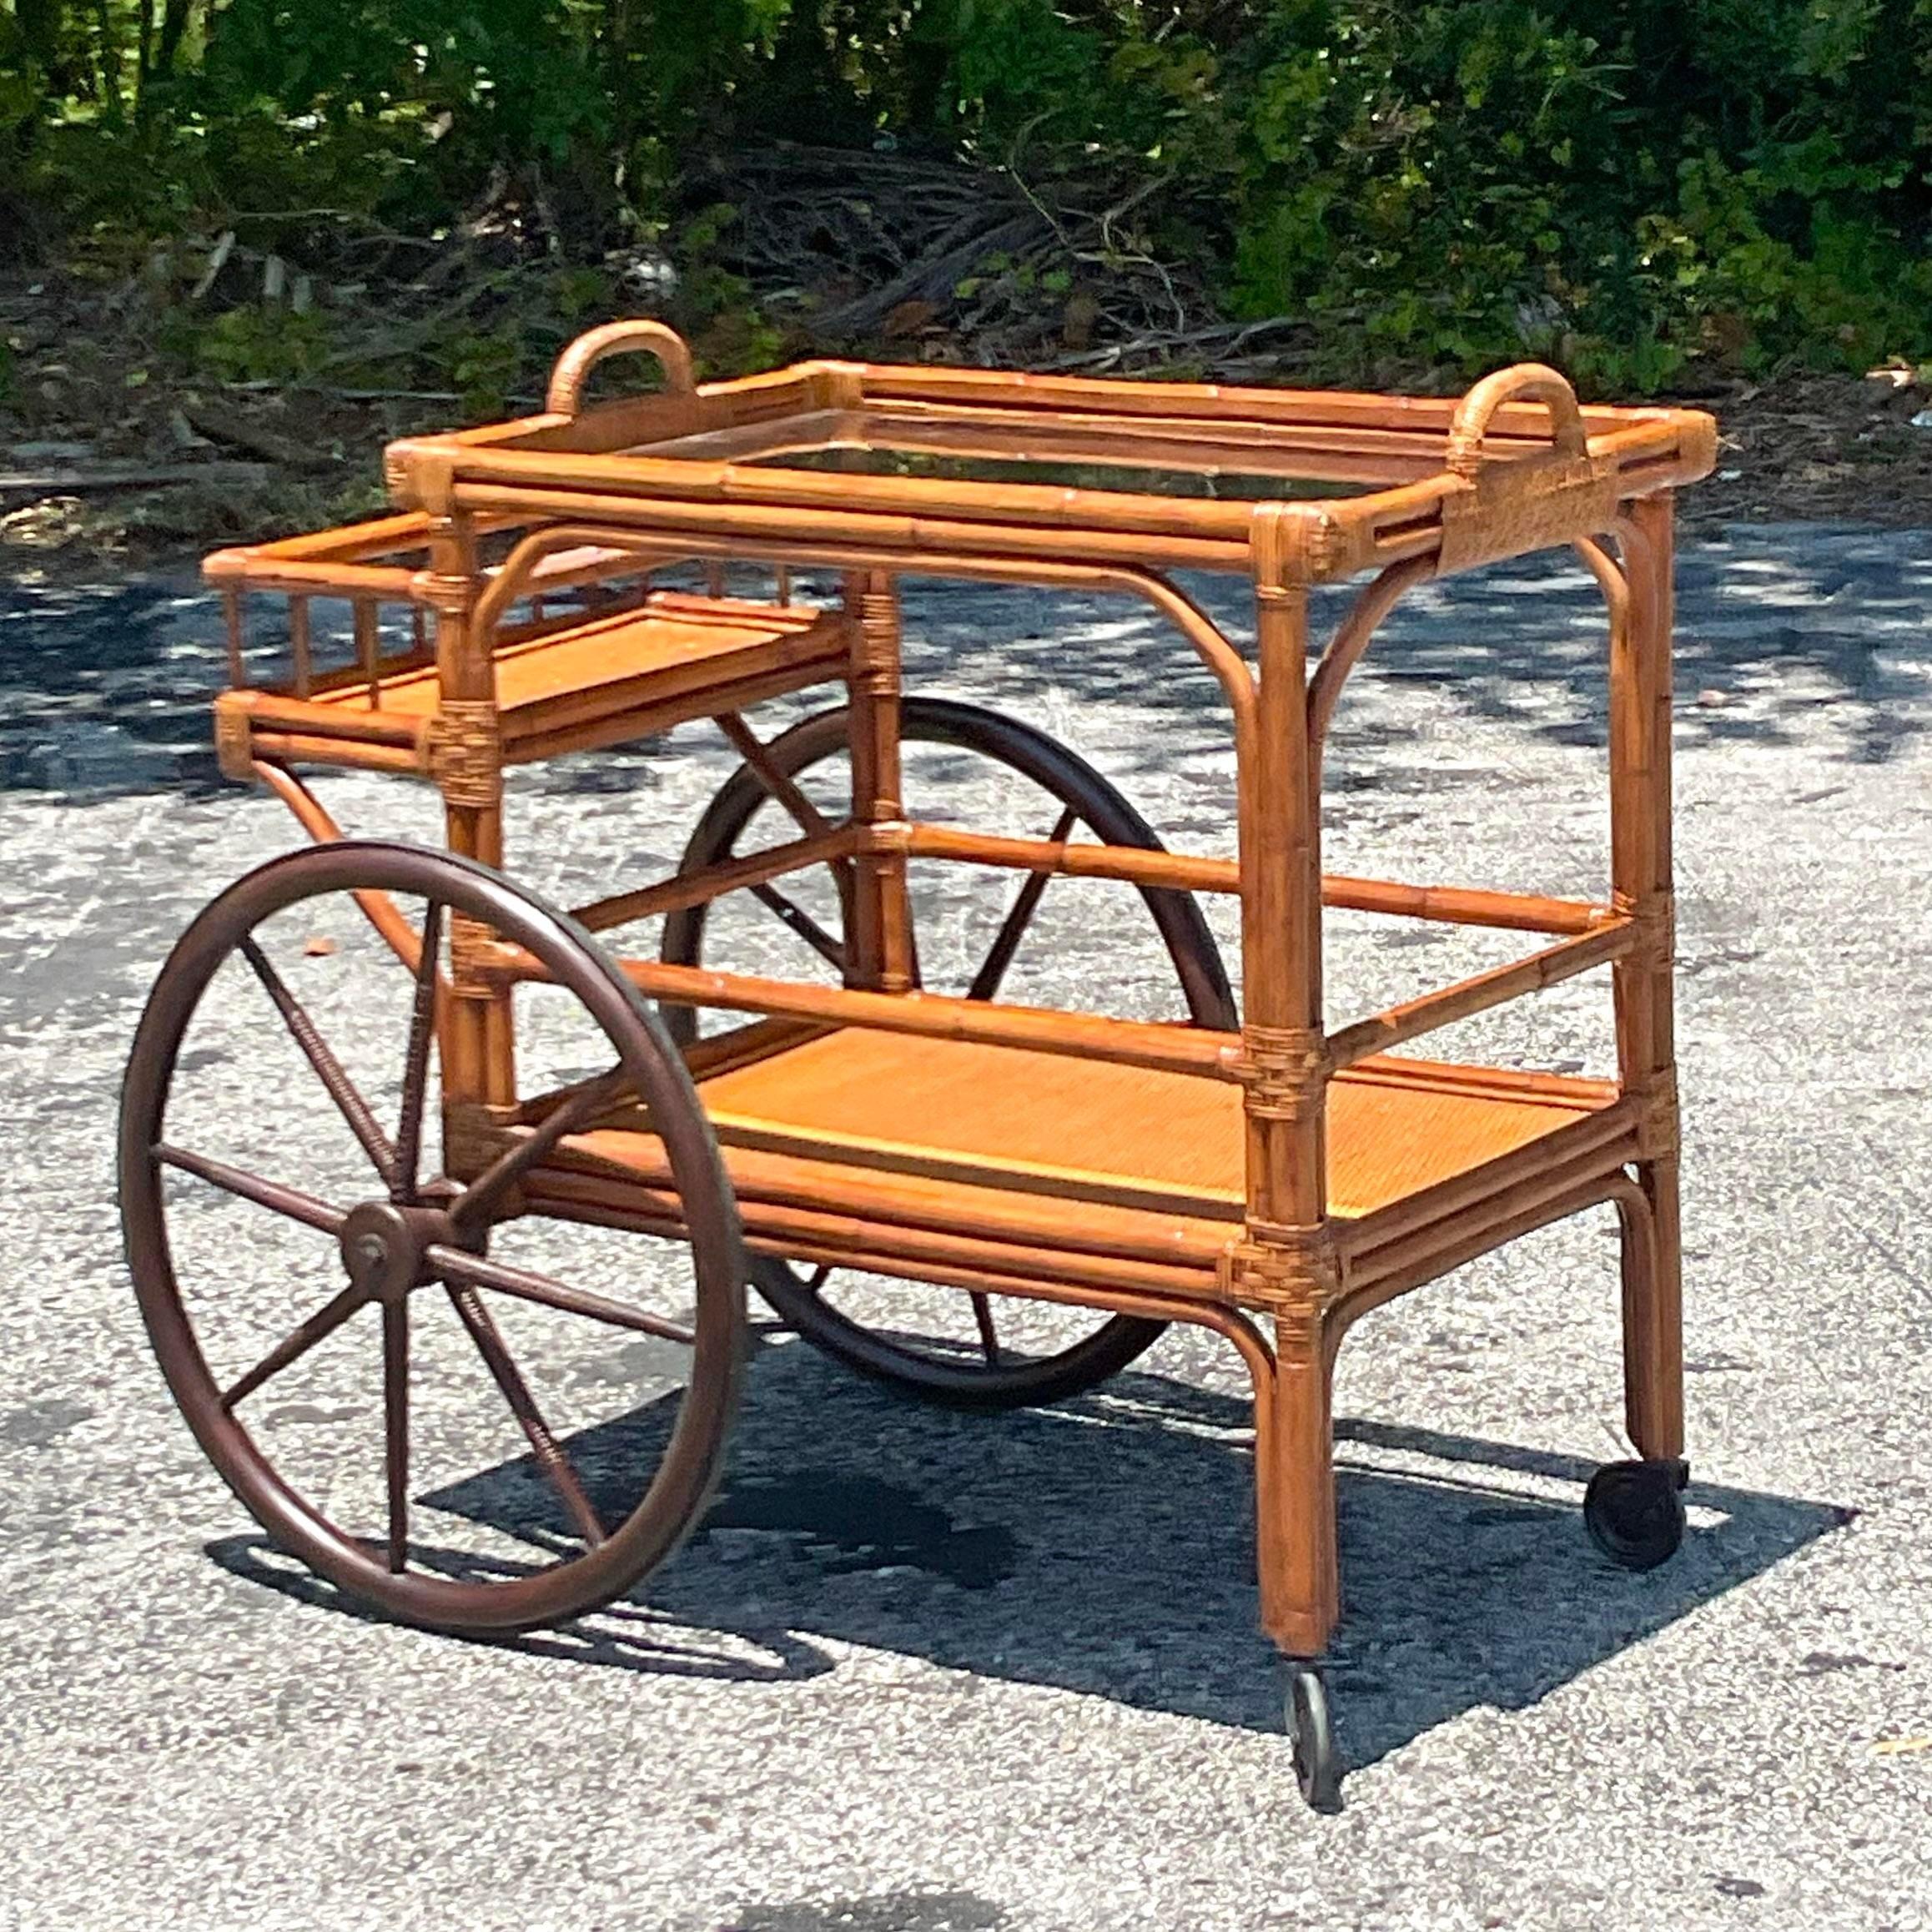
{"x": 508, "y": 612}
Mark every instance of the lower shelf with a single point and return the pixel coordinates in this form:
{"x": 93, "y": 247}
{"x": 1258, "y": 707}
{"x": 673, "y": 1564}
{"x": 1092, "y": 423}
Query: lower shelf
{"x": 936, "y": 1156}
{"x": 1089, "y": 1130}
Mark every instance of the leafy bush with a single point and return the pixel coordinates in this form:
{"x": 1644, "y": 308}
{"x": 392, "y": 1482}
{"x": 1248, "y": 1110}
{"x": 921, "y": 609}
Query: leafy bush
{"x": 1630, "y": 187}
{"x": 1626, "y": 185}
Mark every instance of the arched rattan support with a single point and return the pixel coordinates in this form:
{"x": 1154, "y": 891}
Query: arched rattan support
{"x": 1653, "y": 1345}
{"x": 1230, "y": 669}
{"x": 1231, "y": 1323}
{"x": 1357, "y": 631}
{"x": 1612, "y": 1189}
{"x": 377, "y": 908}
{"x": 1612, "y": 580}
{"x": 1352, "y": 638}
{"x": 1635, "y": 551}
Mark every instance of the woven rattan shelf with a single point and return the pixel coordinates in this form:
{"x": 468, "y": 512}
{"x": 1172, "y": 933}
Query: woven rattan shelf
{"x": 1004, "y": 1117}
{"x": 971, "y": 1141}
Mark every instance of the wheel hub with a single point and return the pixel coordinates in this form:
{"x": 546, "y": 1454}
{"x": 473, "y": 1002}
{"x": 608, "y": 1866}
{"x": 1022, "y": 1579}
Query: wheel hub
{"x": 385, "y": 1247}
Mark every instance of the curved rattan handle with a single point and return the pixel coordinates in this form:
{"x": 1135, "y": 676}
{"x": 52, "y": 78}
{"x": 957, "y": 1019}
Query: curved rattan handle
{"x": 574, "y": 366}
{"x": 1524, "y": 382}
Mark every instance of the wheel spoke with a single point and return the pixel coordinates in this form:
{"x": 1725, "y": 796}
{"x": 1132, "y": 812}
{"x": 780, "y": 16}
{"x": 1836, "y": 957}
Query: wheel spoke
{"x": 777, "y": 784}
{"x": 296, "y": 1344}
{"x": 475, "y": 1271}
{"x": 472, "y": 1207}
{"x": 269, "y": 1194}
{"x": 395, "y": 1416}
{"x": 515, "y": 1392}
{"x": 409, "y": 1133}
{"x": 989, "y": 1340}
{"x": 1006, "y": 942}
{"x": 796, "y": 920}
{"x": 353, "y": 1107}
{"x": 780, "y": 787}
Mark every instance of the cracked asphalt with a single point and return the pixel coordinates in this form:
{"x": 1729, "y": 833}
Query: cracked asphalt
{"x": 924, "y": 1673}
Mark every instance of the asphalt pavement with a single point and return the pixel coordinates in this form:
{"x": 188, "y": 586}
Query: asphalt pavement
{"x": 924, "y": 1673}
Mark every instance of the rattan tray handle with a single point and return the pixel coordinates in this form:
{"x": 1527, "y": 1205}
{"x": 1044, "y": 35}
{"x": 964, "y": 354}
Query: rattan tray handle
{"x": 574, "y": 366}
{"x": 1524, "y": 382}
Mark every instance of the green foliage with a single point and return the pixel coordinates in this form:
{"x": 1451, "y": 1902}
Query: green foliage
{"x": 485, "y": 368}
{"x": 256, "y": 343}
{"x": 732, "y": 335}
{"x": 1625, "y": 185}
{"x": 1629, "y": 187}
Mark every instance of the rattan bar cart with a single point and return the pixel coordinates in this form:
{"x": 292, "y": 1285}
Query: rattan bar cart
{"x": 535, "y": 596}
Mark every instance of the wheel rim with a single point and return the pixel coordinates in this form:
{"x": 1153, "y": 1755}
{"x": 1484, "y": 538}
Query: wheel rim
{"x": 409, "y": 1241}
{"x": 972, "y": 1371}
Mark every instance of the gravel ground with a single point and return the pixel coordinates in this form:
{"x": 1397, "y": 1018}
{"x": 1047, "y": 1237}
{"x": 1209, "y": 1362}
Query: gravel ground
{"x": 923, "y": 1673}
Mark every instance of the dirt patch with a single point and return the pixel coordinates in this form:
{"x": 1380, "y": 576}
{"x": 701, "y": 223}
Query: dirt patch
{"x": 1836, "y": 448}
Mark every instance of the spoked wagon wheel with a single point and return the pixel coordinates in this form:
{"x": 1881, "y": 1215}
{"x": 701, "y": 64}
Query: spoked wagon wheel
{"x": 253, "y": 1124}
{"x": 954, "y": 755}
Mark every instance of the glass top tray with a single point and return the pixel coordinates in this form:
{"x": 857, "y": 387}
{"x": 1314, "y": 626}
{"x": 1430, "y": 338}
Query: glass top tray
{"x": 1248, "y": 484}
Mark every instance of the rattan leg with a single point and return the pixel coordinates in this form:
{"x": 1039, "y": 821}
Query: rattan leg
{"x": 1295, "y": 1495}
{"x": 882, "y": 941}
{"x": 1653, "y": 1312}
{"x": 480, "y": 1064}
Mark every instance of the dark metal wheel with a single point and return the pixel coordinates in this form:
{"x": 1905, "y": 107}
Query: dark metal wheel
{"x": 231, "y": 1137}
{"x": 959, "y": 750}
{"x": 1634, "y": 1512}
{"x": 1317, "y": 1761}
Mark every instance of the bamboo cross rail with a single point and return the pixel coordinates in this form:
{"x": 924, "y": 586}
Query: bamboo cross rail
{"x": 697, "y": 888}
{"x": 1613, "y": 940}
{"x": 1450, "y": 905}
{"x": 1081, "y": 1035}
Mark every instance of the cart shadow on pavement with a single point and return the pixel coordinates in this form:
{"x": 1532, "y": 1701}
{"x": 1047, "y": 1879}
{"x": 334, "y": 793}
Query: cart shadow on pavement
{"x": 1106, "y": 1547}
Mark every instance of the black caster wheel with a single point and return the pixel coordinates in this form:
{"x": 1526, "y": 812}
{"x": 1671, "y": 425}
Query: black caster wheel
{"x": 1317, "y": 1763}
{"x": 1634, "y": 1512}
